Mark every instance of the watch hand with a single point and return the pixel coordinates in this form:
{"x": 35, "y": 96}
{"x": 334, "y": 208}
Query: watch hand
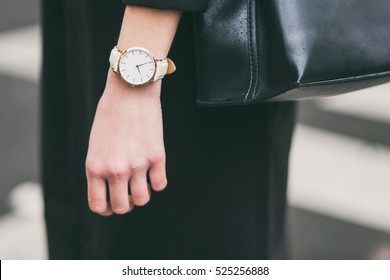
{"x": 138, "y": 69}
{"x": 144, "y": 63}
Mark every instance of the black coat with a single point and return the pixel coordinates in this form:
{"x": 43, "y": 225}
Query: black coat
{"x": 183, "y": 5}
{"x": 226, "y": 167}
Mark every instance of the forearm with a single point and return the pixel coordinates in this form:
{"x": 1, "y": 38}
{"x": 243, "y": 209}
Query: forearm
{"x": 153, "y": 29}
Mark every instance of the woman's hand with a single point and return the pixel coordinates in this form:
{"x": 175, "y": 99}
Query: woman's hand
{"x": 126, "y": 145}
{"x": 126, "y": 142}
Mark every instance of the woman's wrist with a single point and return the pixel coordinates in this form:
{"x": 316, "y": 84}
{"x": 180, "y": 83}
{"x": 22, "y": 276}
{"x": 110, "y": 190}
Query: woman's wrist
{"x": 118, "y": 86}
{"x": 152, "y": 29}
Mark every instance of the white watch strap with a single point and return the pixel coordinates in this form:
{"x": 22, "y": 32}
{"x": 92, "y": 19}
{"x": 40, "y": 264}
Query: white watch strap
{"x": 161, "y": 69}
{"x": 114, "y": 59}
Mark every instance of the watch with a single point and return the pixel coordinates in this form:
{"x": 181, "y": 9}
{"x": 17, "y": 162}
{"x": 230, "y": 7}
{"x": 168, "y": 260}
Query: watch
{"x": 137, "y": 66}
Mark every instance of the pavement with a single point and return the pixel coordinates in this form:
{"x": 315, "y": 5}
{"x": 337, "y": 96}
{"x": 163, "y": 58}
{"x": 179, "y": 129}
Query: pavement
{"x": 339, "y": 183}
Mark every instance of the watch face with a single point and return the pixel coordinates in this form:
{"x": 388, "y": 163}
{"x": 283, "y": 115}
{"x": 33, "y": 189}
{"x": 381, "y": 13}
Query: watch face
{"x": 137, "y": 66}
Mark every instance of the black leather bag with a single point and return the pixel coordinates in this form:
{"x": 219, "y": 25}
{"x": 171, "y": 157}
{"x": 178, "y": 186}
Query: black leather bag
{"x": 250, "y": 51}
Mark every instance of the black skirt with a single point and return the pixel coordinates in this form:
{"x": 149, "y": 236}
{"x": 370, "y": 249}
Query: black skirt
{"x": 226, "y": 166}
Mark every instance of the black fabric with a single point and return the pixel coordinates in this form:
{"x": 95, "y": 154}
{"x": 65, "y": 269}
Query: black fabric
{"x": 183, "y": 5}
{"x": 226, "y": 167}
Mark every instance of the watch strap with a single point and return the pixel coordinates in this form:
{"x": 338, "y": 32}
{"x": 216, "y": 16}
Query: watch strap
{"x": 164, "y": 67}
{"x": 171, "y": 66}
{"x": 161, "y": 69}
{"x": 114, "y": 59}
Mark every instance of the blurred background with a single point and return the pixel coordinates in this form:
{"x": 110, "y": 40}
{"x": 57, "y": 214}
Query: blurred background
{"x": 339, "y": 187}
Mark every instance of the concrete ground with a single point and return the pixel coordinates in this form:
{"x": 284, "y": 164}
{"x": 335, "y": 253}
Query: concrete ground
{"x": 339, "y": 185}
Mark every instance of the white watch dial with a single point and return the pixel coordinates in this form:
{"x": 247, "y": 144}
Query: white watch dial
{"x": 137, "y": 66}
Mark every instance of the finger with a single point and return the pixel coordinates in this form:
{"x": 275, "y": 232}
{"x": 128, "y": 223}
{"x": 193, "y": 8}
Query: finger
{"x": 97, "y": 196}
{"x": 131, "y": 202}
{"x": 109, "y": 211}
{"x": 158, "y": 177}
{"x": 139, "y": 188}
{"x": 119, "y": 196}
